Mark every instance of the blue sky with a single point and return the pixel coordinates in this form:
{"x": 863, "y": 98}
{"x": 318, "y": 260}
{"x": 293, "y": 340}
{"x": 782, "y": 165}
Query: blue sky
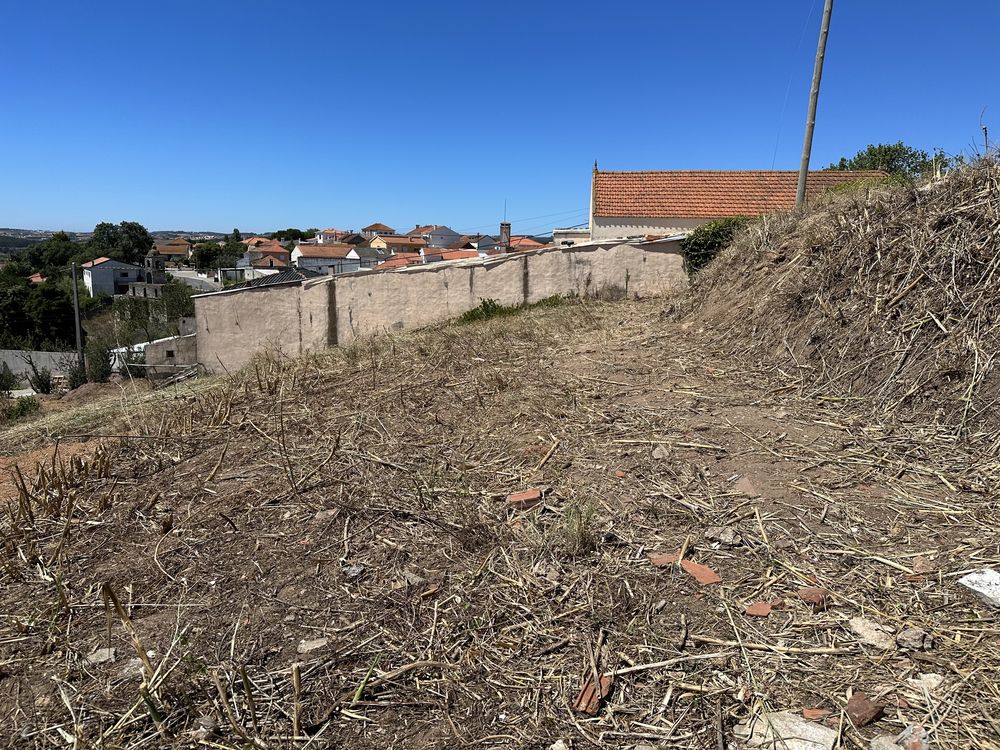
{"x": 212, "y": 114}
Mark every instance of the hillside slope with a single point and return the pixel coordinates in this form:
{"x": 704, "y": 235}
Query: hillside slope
{"x": 890, "y": 296}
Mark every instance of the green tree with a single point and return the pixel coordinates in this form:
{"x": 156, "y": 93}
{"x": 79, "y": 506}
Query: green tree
{"x": 708, "y": 240}
{"x": 8, "y": 380}
{"x": 896, "y": 159}
{"x": 128, "y": 242}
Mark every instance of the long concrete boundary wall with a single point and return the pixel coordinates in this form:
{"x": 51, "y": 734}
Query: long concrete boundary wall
{"x": 299, "y": 318}
{"x": 56, "y": 362}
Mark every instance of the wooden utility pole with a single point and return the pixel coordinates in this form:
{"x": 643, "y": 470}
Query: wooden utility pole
{"x": 76, "y": 315}
{"x": 824, "y": 31}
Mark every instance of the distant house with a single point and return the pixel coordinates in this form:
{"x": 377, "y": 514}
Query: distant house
{"x": 327, "y": 258}
{"x": 267, "y": 254}
{"x": 435, "y": 235}
{"x": 177, "y": 250}
{"x": 371, "y": 256}
{"x": 569, "y": 236}
{"x": 37, "y": 278}
{"x": 524, "y": 242}
{"x": 633, "y": 204}
{"x": 484, "y": 243}
{"x": 331, "y": 235}
{"x": 106, "y": 276}
{"x": 398, "y": 243}
{"x": 355, "y": 239}
{"x": 375, "y": 229}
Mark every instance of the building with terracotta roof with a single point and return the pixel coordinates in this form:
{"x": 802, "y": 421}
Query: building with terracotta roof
{"x": 105, "y": 276}
{"x": 375, "y": 229}
{"x": 327, "y": 258}
{"x": 632, "y": 204}
{"x": 436, "y": 235}
{"x": 398, "y": 243}
{"x": 331, "y": 235}
{"x": 400, "y": 260}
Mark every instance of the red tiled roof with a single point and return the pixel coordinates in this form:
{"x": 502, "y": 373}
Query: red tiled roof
{"x": 94, "y": 262}
{"x": 37, "y": 278}
{"x": 327, "y": 250}
{"x": 399, "y": 261}
{"x": 523, "y": 242}
{"x": 403, "y": 239}
{"x": 268, "y": 261}
{"x": 454, "y": 254}
{"x": 427, "y": 229}
{"x": 378, "y": 228}
{"x": 707, "y": 194}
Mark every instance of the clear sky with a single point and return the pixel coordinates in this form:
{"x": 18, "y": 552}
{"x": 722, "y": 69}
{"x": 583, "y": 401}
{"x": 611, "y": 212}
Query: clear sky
{"x": 210, "y": 114}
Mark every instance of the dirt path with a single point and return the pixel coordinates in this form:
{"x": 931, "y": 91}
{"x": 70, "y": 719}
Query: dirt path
{"x": 349, "y": 515}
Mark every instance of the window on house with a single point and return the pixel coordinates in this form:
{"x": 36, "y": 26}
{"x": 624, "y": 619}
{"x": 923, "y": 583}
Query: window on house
{"x": 170, "y": 353}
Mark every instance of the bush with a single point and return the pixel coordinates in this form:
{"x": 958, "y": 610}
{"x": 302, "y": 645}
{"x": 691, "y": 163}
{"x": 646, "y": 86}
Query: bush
{"x": 76, "y": 374}
{"x": 19, "y": 408}
{"x": 98, "y": 362}
{"x": 8, "y": 380}
{"x": 705, "y": 242}
{"x": 41, "y": 379}
{"x": 488, "y": 308}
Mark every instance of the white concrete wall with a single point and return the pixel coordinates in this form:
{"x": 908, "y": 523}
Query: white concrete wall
{"x": 610, "y": 227}
{"x": 337, "y": 310}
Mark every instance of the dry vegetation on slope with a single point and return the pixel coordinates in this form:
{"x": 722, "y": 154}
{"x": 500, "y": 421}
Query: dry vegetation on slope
{"x": 320, "y": 553}
{"x": 890, "y": 296}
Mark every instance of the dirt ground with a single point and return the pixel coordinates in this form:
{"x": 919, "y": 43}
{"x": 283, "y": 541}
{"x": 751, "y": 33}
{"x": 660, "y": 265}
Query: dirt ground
{"x": 323, "y": 553}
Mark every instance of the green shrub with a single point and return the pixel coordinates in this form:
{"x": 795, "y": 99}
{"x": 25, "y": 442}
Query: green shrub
{"x": 8, "y": 380}
{"x": 98, "y": 361}
{"x": 13, "y": 410}
{"x": 41, "y": 380}
{"x": 705, "y": 242}
{"x": 76, "y": 374}
{"x": 488, "y": 308}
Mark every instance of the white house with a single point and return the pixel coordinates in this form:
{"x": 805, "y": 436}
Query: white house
{"x": 637, "y": 204}
{"x": 106, "y": 276}
{"x": 435, "y": 235}
{"x": 327, "y": 258}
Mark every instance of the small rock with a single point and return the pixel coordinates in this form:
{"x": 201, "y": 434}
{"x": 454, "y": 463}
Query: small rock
{"x": 661, "y": 453}
{"x": 305, "y": 647}
{"x": 725, "y": 536}
{"x": 559, "y": 745}
{"x": 786, "y": 730}
{"x": 620, "y": 474}
{"x": 542, "y": 569}
{"x": 923, "y": 565}
{"x": 611, "y": 539}
{"x": 862, "y": 711}
{"x": 884, "y": 743}
{"x": 132, "y": 668}
{"x": 926, "y": 682}
{"x": 205, "y": 727}
{"x": 872, "y": 633}
{"x": 409, "y": 578}
{"x": 816, "y": 597}
{"x": 354, "y": 572}
{"x": 915, "y": 639}
{"x": 322, "y": 515}
{"x": 100, "y": 656}
{"x": 914, "y": 737}
{"x": 985, "y": 584}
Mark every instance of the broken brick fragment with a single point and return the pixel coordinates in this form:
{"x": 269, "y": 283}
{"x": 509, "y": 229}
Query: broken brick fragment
{"x": 759, "y": 609}
{"x": 620, "y": 474}
{"x": 862, "y": 711}
{"x": 815, "y": 596}
{"x": 701, "y": 573}
{"x": 663, "y": 559}
{"x": 588, "y": 701}
{"x": 525, "y": 499}
{"x": 815, "y": 714}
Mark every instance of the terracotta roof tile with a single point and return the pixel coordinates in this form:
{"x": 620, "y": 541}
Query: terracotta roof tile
{"x": 707, "y": 194}
{"x": 326, "y": 250}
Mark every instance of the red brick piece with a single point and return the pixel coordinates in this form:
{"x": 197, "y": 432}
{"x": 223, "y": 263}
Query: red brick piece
{"x": 759, "y": 609}
{"x": 526, "y": 499}
{"x": 862, "y": 711}
{"x": 701, "y": 573}
{"x": 815, "y": 596}
{"x": 815, "y": 714}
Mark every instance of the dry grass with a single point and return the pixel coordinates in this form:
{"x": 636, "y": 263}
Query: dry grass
{"x": 319, "y": 553}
